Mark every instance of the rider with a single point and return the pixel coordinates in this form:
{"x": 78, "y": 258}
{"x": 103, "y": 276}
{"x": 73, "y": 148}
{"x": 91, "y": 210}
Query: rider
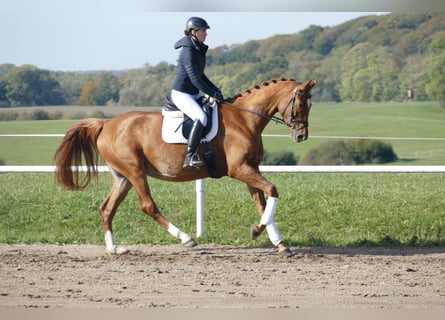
{"x": 190, "y": 81}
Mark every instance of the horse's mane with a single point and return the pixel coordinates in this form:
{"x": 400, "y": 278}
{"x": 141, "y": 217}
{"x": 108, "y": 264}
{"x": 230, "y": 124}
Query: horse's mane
{"x": 259, "y": 86}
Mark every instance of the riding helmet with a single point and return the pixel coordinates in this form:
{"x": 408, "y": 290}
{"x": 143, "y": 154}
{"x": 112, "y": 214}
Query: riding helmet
{"x": 196, "y": 23}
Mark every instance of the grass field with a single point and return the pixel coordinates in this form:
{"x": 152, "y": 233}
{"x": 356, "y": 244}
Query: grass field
{"x": 401, "y": 124}
{"x": 315, "y": 209}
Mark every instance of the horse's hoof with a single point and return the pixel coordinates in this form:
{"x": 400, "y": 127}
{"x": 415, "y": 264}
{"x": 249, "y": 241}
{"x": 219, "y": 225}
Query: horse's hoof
{"x": 190, "y": 243}
{"x": 255, "y": 231}
{"x": 117, "y": 250}
{"x": 285, "y": 252}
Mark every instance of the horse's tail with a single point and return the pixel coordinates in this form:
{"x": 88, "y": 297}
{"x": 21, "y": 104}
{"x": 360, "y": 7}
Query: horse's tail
{"x": 79, "y": 143}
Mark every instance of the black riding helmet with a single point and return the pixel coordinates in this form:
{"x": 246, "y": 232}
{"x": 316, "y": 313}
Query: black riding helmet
{"x": 195, "y": 23}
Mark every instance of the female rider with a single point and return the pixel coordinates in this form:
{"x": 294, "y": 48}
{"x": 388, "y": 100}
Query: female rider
{"x": 191, "y": 82}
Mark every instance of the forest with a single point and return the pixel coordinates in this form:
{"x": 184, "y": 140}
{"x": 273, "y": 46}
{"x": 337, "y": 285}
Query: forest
{"x": 368, "y": 59}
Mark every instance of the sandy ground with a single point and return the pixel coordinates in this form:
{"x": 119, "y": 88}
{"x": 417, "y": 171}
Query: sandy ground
{"x": 210, "y": 276}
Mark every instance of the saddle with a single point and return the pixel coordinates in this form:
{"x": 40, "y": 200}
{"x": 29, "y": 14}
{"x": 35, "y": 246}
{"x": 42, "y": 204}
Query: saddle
{"x": 174, "y": 119}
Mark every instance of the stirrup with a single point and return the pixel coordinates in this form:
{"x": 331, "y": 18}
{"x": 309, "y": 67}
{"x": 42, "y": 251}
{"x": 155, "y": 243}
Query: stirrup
{"x": 192, "y": 161}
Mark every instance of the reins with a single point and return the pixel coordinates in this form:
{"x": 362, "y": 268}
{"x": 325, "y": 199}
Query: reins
{"x": 273, "y": 118}
{"x": 277, "y": 120}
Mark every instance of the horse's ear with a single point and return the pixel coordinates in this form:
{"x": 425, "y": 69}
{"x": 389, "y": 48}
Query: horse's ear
{"x": 307, "y": 86}
{"x": 311, "y": 84}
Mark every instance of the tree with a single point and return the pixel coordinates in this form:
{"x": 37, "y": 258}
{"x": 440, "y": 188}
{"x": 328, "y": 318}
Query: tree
{"x": 350, "y": 152}
{"x": 148, "y": 86}
{"x": 107, "y": 89}
{"x": 87, "y": 95}
{"x": 5, "y": 68}
{"x": 3, "y": 99}
{"x": 436, "y": 69}
{"x": 71, "y": 84}
{"x": 371, "y": 58}
{"x": 325, "y": 42}
{"x": 28, "y": 85}
{"x": 307, "y": 36}
{"x": 353, "y": 61}
{"x": 279, "y": 158}
{"x": 234, "y": 54}
{"x": 413, "y": 76}
{"x": 102, "y": 90}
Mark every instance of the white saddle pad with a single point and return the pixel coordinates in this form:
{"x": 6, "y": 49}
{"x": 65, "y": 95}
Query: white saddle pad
{"x": 172, "y": 126}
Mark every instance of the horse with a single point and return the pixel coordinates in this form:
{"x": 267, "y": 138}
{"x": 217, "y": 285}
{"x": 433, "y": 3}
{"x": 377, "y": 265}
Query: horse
{"x": 131, "y": 145}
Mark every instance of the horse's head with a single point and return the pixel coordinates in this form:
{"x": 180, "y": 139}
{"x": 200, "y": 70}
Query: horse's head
{"x": 296, "y": 112}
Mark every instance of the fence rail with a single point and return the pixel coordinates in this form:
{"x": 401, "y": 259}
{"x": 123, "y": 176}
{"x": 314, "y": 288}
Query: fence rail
{"x": 277, "y": 169}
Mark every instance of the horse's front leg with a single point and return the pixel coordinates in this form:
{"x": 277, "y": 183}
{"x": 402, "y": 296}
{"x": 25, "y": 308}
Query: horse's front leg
{"x": 266, "y": 209}
{"x": 260, "y": 203}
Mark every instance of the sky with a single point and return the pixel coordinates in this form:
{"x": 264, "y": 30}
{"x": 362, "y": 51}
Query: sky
{"x": 86, "y": 35}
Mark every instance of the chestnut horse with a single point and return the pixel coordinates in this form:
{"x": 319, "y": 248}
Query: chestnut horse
{"x": 132, "y": 146}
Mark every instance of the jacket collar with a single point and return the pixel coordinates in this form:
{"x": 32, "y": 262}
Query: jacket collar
{"x": 188, "y": 41}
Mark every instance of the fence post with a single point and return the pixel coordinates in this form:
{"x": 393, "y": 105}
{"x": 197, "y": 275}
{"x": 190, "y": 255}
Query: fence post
{"x": 200, "y": 185}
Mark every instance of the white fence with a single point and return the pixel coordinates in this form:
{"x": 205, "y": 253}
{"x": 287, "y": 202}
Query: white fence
{"x": 200, "y": 184}
{"x": 278, "y": 169}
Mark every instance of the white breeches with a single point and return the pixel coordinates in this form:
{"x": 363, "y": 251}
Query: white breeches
{"x": 187, "y": 104}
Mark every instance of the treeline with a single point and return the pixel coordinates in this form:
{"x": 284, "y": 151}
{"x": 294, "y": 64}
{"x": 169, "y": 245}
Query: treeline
{"x": 372, "y": 58}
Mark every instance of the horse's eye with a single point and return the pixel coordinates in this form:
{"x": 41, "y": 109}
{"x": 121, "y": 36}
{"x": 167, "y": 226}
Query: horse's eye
{"x": 301, "y": 105}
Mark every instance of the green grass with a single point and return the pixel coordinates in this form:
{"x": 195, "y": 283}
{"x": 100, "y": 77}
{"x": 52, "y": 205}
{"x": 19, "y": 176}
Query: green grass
{"x": 36, "y": 126}
{"x": 401, "y": 120}
{"x": 31, "y": 150}
{"x": 392, "y": 120}
{"x": 314, "y": 210}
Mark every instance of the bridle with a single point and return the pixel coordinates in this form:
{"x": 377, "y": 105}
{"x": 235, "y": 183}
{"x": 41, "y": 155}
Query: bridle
{"x": 293, "y": 116}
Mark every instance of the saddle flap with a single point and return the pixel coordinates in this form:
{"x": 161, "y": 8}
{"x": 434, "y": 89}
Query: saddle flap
{"x": 175, "y": 120}
{"x": 188, "y": 123}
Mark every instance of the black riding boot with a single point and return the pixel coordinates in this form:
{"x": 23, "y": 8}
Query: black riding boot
{"x": 191, "y": 158}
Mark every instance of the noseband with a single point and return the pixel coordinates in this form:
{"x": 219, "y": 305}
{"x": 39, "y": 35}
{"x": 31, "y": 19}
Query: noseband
{"x": 293, "y": 115}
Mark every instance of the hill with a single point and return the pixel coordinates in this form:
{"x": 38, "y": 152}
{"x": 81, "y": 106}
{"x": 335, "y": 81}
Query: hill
{"x": 371, "y": 59}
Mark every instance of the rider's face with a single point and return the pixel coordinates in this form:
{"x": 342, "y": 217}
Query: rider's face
{"x": 200, "y": 35}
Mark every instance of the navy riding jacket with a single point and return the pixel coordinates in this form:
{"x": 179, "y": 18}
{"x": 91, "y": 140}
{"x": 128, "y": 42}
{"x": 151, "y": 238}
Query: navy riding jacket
{"x": 191, "y": 63}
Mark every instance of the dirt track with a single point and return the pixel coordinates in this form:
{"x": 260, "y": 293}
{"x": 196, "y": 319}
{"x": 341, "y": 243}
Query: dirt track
{"x": 221, "y": 277}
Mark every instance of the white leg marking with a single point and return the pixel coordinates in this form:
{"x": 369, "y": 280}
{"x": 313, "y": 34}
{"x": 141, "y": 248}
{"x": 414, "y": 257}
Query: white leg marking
{"x": 269, "y": 211}
{"x": 273, "y": 233}
{"x": 267, "y": 219}
{"x": 112, "y": 248}
{"x": 109, "y": 241}
{"x": 178, "y": 234}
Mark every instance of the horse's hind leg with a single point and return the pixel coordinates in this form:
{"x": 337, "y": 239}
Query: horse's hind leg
{"x": 118, "y": 192}
{"x": 149, "y": 207}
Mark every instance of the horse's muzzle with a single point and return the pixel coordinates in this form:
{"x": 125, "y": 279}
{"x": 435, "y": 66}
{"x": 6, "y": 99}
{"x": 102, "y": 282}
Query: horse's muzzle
{"x": 299, "y": 135}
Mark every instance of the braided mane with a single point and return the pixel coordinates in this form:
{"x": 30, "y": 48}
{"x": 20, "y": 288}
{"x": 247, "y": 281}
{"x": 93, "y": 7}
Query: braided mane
{"x": 259, "y": 86}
